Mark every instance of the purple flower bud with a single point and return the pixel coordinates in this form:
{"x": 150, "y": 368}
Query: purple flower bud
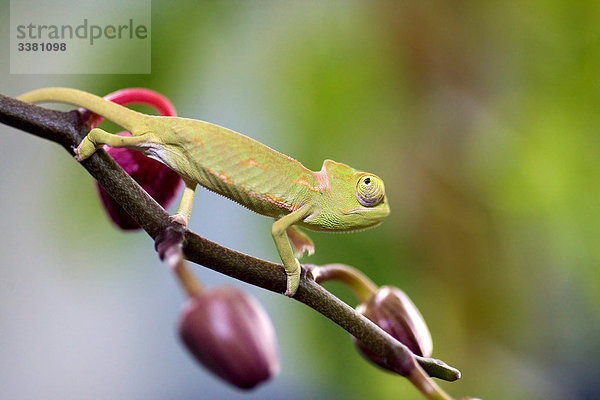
{"x": 158, "y": 181}
{"x": 393, "y": 311}
{"x": 229, "y": 333}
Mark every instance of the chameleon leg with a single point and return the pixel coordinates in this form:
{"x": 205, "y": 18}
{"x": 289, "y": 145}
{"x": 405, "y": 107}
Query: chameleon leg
{"x": 98, "y": 137}
{"x": 290, "y": 262}
{"x": 187, "y": 201}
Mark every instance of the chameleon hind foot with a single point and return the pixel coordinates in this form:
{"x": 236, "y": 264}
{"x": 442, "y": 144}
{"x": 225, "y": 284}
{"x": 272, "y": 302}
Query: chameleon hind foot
{"x": 85, "y": 149}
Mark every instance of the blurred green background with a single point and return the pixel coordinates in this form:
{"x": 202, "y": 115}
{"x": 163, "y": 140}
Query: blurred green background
{"x": 481, "y": 117}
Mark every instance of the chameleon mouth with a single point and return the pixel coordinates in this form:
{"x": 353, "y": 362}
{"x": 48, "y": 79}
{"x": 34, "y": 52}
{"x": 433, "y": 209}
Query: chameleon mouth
{"x": 357, "y": 210}
{"x": 382, "y": 211}
{"x": 368, "y": 217}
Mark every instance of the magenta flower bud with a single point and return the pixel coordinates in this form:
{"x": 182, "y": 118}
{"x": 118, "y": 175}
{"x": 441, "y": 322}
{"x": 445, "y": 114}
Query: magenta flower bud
{"x": 159, "y": 181}
{"x": 229, "y": 333}
{"x": 393, "y": 311}
{"x": 156, "y": 179}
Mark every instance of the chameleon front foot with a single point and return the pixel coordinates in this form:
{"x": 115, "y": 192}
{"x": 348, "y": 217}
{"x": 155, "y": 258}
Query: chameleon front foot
{"x": 292, "y": 286}
{"x": 85, "y": 149}
{"x": 293, "y": 281}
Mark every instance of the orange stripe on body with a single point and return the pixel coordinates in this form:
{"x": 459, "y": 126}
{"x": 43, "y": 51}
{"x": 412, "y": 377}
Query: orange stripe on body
{"x": 197, "y": 140}
{"x": 320, "y": 177}
{"x": 251, "y": 162}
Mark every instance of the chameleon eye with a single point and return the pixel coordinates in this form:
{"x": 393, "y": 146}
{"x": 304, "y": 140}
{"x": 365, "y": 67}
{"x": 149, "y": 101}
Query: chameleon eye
{"x": 369, "y": 190}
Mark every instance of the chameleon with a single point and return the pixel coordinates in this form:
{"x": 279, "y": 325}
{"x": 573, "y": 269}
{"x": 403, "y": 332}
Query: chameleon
{"x": 337, "y": 198}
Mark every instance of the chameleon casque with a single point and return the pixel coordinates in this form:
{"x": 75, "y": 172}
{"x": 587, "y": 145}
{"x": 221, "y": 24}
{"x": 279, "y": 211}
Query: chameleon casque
{"x": 337, "y": 198}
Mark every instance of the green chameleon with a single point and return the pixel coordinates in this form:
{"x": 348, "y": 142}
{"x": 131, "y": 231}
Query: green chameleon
{"x": 336, "y": 198}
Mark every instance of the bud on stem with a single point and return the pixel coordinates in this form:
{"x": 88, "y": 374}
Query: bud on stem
{"x": 393, "y": 311}
{"x": 226, "y": 330}
{"x": 229, "y": 333}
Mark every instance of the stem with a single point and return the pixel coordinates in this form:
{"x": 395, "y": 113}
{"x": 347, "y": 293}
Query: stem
{"x": 362, "y": 287}
{"x": 174, "y": 260}
{"x": 426, "y": 385}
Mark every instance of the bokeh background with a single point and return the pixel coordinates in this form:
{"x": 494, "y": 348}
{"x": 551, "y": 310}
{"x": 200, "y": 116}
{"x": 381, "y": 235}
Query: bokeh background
{"x": 481, "y": 117}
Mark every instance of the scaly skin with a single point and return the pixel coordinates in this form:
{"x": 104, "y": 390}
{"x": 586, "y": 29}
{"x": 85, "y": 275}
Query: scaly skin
{"x": 336, "y": 198}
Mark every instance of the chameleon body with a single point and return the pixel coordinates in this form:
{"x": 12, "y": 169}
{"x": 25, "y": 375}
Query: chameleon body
{"x": 336, "y": 198}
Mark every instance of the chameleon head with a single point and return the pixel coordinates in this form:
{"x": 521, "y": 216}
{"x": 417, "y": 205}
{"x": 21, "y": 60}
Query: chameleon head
{"x": 355, "y": 200}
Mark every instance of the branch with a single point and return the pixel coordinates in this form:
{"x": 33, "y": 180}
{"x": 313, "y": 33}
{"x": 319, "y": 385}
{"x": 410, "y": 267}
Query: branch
{"x": 67, "y": 129}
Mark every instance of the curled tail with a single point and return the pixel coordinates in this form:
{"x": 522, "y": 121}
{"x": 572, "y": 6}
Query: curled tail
{"x": 123, "y": 116}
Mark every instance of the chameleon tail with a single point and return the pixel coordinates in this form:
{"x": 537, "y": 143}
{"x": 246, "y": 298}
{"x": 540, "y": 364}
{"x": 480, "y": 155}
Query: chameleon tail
{"x": 123, "y": 116}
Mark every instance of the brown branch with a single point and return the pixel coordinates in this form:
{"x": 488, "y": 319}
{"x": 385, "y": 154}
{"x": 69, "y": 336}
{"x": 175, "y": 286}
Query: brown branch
{"x": 67, "y": 129}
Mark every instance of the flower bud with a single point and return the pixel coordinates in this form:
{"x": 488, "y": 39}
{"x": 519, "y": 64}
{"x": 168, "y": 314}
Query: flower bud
{"x": 393, "y": 311}
{"x": 156, "y": 179}
{"x": 229, "y": 333}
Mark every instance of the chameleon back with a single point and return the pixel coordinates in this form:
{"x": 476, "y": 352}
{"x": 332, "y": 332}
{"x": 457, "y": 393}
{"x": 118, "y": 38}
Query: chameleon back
{"x": 234, "y": 165}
